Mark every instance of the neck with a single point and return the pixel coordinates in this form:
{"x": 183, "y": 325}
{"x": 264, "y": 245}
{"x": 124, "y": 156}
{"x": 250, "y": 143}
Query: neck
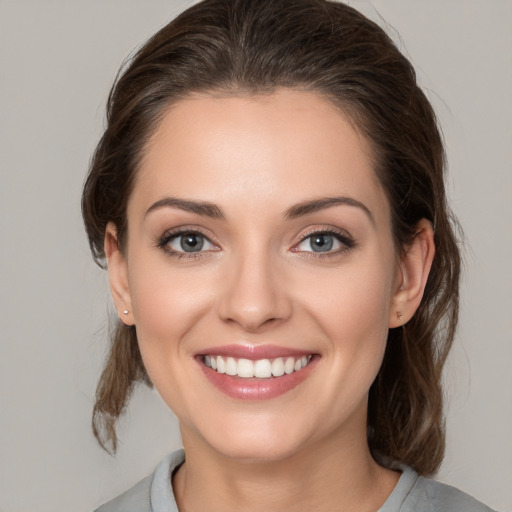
{"x": 330, "y": 475}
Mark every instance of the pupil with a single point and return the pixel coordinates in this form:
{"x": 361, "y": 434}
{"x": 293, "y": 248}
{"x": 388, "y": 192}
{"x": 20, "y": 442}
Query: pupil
{"x": 192, "y": 242}
{"x": 322, "y": 243}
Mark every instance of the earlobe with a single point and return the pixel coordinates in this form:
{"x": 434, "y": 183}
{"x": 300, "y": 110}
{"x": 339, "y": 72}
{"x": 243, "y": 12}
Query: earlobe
{"x": 118, "y": 275}
{"x": 415, "y": 266}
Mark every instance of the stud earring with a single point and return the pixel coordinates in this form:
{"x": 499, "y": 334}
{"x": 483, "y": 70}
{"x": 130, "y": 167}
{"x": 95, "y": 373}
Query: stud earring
{"x": 125, "y": 311}
{"x": 399, "y": 315}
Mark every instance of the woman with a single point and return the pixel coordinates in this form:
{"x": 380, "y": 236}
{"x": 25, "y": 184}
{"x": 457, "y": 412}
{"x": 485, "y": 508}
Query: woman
{"x": 268, "y": 196}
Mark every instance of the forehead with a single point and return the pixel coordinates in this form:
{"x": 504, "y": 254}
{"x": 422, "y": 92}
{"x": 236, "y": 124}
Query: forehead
{"x": 278, "y": 148}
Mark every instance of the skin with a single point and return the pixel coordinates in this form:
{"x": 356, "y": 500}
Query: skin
{"x": 259, "y": 281}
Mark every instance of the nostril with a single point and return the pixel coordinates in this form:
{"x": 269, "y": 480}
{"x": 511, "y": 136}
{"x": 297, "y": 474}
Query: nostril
{"x": 252, "y": 323}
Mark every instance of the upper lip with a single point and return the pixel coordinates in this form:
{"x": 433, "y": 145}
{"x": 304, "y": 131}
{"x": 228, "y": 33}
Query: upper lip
{"x": 253, "y": 352}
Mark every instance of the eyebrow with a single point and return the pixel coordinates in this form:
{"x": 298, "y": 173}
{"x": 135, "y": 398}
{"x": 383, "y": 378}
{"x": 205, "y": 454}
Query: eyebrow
{"x": 211, "y": 210}
{"x": 315, "y": 205}
{"x": 200, "y": 207}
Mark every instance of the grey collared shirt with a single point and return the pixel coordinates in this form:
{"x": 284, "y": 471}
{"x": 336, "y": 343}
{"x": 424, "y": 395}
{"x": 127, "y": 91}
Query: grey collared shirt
{"x": 413, "y": 493}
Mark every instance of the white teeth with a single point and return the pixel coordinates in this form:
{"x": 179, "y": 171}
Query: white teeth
{"x": 245, "y": 368}
{"x": 289, "y": 365}
{"x": 261, "y": 368}
{"x": 278, "y": 367}
{"x": 231, "y": 366}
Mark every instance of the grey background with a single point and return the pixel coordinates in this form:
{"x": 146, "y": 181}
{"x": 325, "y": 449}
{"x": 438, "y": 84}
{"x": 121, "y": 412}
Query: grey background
{"x": 58, "y": 59}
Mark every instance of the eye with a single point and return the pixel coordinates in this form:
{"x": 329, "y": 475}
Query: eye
{"x": 324, "y": 242}
{"x": 186, "y": 242}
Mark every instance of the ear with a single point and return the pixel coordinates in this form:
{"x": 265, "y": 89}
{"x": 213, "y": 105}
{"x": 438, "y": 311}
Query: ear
{"x": 415, "y": 266}
{"x": 118, "y": 275}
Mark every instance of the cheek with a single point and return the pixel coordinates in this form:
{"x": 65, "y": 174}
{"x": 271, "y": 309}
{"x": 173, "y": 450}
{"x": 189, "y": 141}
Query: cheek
{"x": 167, "y": 303}
{"x": 353, "y": 300}
{"x": 353, "y": 312}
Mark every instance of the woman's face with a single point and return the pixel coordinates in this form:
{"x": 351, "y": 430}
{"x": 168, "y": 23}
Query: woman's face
{"x": 259, "y": 243}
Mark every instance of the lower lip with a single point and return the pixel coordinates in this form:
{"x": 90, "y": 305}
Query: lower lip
{"x": 257, "y": 389}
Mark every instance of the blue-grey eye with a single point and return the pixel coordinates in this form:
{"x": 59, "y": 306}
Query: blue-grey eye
{"x": 190, "y": 242}
{"x": 320, "y": 242}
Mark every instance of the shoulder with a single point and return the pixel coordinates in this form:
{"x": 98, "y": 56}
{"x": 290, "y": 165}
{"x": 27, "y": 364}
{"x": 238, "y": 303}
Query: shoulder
{"x": 135, "y": 499}
{"x": 431, "y": 496}
{"x": 153, "y": 493}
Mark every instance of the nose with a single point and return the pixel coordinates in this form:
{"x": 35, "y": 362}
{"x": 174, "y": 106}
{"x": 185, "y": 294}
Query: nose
{"x": 254, "y": 293}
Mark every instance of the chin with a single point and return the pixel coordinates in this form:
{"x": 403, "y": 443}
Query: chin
{"x": 252, "y": 439}
{"x": 258, "y": 451}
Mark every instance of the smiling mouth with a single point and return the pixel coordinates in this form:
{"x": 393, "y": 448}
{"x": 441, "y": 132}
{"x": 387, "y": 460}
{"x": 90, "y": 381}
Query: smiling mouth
{"x": 259, "y": 368}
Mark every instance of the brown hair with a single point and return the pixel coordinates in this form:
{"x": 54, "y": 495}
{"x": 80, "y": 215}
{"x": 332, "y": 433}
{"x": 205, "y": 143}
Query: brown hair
{"x": 254, "y": 47}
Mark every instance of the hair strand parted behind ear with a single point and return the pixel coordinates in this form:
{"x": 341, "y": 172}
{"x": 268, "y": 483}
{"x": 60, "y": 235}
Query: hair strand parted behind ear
{"x": 122, "y": 371}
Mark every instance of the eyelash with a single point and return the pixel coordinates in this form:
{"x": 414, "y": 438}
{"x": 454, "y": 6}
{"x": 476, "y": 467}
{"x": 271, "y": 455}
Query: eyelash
{"x": 169, "y": 236}
{"x": 342, "y": 237}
